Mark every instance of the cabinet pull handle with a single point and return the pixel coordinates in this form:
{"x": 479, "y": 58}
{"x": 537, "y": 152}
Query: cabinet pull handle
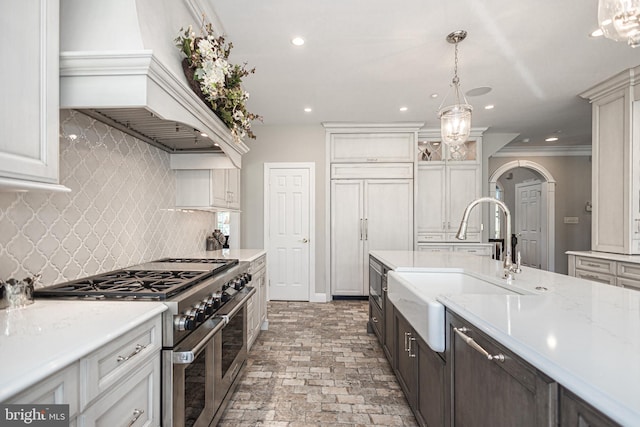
{"x": 406, "y": 339}
{"x": 411, "y": 352}
{"x": 374, "y": 319}
{"x": 366, "y": 229}
{"x": 385, "y": 289}
{"x": 361, "y": 224}
{"x": 138, "y": 349}
{"x": 136, "y": 415}
{"x": 590, "y": 264}
{"x": 471, "y": 342}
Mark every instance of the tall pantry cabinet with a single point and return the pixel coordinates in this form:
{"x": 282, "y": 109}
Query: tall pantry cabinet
{"x": 615, "y": 224}
{"x": 371, "y": 198}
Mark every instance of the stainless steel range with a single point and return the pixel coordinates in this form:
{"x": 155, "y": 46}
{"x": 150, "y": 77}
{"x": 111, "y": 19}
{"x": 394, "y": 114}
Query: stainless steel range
{"x": 204, "y": 333}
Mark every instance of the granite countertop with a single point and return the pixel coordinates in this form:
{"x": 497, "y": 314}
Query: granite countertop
{"x": 583, "y": 334}
{"x": 241, "y": 254}
{"x": 48, "y": 335}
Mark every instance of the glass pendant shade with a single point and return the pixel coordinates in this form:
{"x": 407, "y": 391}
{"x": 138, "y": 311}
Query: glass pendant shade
{"x": 455, "y": 120}
{"x": 619, "y": 20}
{"x": 455, "y": 123}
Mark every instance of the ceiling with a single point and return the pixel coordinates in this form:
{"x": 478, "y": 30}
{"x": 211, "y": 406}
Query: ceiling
{"x": 364, "y": 59}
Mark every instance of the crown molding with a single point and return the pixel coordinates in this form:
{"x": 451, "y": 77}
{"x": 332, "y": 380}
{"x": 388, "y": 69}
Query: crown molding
{"x": 544, "y": 151}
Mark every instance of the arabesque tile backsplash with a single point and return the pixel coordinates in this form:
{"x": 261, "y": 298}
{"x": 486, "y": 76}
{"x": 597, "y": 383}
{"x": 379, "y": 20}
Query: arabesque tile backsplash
{"x": 119, "y": 211}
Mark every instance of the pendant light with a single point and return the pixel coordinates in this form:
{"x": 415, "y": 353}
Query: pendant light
{"x": 455, "y": 120}
{"x": 619, "y": 20}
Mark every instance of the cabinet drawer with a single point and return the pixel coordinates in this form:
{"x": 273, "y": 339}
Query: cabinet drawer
{"x": 59, "y": 388}
{"x": 362, "y": 171}
{"x": 434, "y": 248}
{"x": 595, "y": 264}
{"x": 628, "y": 283}
{"x": 258, "y": 264}
{"x": 482, "y": 250}
{"x": 113, "y": 362}
{"x": 430, "y": 237}
{"x": 629, "y": 270}
{"x": 135, "y": 402}
{"x": 596, "y": 277}
{"x": 471, "y": 237}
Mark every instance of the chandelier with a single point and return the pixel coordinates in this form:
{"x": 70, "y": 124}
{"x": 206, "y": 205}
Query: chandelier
{"x": 455, "y": 120}
{"x": 619, "y": 20}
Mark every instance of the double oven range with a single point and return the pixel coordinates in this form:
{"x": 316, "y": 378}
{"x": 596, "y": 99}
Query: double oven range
{"x": 204, "y": 329}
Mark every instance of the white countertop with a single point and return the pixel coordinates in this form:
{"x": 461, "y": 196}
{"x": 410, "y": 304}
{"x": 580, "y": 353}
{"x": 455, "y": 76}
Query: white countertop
{"x": 48, "y": 335}
{"x": 583, "y": 334}
{"x": 606, "y": 255}
{"x": 241, "y": 254}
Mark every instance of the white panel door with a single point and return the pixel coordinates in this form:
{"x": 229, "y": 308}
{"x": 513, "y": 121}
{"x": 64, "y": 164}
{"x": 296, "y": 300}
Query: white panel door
{"x": 288, "y": 252}
{"x": 528, "y": 229}
{"x": 347, "y": 237}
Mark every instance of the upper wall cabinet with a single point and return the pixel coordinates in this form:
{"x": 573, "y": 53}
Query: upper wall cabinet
{"x": 448, "y": 179}
{"x": 29, "y": 107}
{"x": 616, "y": 167}
{"x": 367, "y": 144}
{"x": 214, "y": 189}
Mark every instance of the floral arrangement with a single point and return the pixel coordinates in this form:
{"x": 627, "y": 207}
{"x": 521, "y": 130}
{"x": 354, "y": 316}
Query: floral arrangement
{"x": 215, "y": 80}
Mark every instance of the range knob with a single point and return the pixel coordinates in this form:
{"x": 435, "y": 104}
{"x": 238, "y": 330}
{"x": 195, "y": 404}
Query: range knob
{"x": 238, "y": 284}
{"x": 215, "y": 300}
{"x": 206, "y": 306}
{"x": 225, "y": 297}
{"x": 247, "y": 276}
{"x": 184, "y": 323}
{"x": 196, "y": 313}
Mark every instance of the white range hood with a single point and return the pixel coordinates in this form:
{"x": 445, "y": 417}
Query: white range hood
{"x": 119, "y": 64}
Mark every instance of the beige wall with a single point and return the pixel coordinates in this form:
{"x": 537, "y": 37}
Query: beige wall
{"x": 573, "y": 191}
{"x": 283, "y": 144}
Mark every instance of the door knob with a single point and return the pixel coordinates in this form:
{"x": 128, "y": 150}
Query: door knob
{"x": 305, "y": 240}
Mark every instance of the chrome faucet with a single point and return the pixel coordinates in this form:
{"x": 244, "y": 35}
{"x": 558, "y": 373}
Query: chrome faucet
{"x": 507, "y": 264}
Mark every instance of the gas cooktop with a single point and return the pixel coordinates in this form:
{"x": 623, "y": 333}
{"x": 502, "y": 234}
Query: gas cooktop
{"x": 156, "y": 280}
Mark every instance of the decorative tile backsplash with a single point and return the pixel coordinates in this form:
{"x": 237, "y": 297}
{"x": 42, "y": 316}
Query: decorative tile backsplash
{"x": 119, "y": 212}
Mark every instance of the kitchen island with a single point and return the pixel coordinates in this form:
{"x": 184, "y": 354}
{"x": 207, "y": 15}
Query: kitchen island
{"x": 583, "y": 335}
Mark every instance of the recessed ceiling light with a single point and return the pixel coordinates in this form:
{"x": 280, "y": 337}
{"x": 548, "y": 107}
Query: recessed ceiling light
{"x": 552, "y": 139}
{"x": 489, "y": 107}
{"x": 434, "y": 95}
{"x": 597, "y": 33}
{"x": 403, "y": 108}
{"x": 216, "y": 144}
{"x": 204, "y": 135}
{"x": 308, "y": 110}
{"x": 525, "y": 140}
{"x": 297, "y": 41}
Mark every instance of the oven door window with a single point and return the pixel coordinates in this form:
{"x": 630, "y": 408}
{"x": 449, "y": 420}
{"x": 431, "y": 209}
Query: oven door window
{"x": 199, "y": 407}
{"x": 232, "y": 340}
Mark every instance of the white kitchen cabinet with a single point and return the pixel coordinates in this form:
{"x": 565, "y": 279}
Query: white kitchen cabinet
{"x": 447, "y": 181}
{"x": 257, "y": 306}
{"x": 113, "y": 385}
{"x": 608, "y": 268}
{"x": 615, "y": 164}
{"x": 372, "y": 147}
{"x": 210, "y": 189}
{"x": 29, "y": 106}
{"x": 367, "y": 214}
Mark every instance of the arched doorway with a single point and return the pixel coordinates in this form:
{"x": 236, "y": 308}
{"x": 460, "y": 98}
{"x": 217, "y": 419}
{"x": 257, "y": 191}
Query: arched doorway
{"x": 548, "y": 188}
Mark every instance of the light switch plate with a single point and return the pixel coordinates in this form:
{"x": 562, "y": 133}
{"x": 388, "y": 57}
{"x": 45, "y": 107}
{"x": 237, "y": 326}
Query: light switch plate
{"x": 571, "y": 220}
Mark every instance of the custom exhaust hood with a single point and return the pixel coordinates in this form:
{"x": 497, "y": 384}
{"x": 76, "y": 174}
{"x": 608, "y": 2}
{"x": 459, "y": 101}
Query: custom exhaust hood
{"x": 119, "y": 65}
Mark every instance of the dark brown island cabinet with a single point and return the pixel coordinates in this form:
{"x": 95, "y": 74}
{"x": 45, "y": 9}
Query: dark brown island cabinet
{"x": 476, "y": 381}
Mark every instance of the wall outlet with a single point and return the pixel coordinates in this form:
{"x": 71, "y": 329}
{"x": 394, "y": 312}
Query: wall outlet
{"x": 571, "y": 220}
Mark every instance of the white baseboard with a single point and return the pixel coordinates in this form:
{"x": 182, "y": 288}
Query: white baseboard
{"x": 318, "y": 297}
